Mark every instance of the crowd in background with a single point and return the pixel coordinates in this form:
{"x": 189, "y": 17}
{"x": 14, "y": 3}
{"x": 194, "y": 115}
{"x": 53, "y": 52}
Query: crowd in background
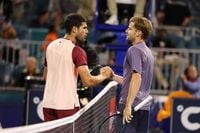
{"x": 176, "y": 23}
{"x": 18, "y": 16}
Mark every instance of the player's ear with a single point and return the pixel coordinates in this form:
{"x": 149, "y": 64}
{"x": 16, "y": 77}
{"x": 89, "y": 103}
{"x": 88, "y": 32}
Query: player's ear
{"x": 139, "y": 33}
{"x": 74, "y": 29}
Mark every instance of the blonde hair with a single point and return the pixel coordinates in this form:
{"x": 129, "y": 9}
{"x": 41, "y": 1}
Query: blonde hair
{"x": 142, "y": 24}
{"x": 34, "y": 60}
{"x": 31, "y": 58}
{"x": 10, "y": 33}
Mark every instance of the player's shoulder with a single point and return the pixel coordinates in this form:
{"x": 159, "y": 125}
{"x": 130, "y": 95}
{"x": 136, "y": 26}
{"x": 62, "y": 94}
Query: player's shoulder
{"x": 138, "y": 48}
{"x": 134, "y": 49}
{"x": 77, "y": 48}
{"x": 61, "y": 41}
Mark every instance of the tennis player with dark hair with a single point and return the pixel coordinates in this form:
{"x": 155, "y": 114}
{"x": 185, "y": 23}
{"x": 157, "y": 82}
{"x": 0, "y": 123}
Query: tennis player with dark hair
{"x": 65, "y": 60}
{"x": 137, "y": 77}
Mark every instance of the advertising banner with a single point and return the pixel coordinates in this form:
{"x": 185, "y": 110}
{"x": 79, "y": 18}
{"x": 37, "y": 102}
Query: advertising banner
{"x": 185, "y": 116}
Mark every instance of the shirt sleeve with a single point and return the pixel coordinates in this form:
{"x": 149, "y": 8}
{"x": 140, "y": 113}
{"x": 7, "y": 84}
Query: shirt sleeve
{"x": 79, "y": 56}
{"x": 135, "y": 60}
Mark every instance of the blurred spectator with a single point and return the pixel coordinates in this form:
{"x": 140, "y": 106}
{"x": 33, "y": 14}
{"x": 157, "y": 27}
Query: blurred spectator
{"x": 112, "y": 7}
{"x": 30, "y": 69}
{"x": 6, "y": 70}
{"x": 106, "y": 57}
{"x": 9, "y": 31}
{"x": 174, "y": 12}
{"x": 55, "y": 12}
{"x": 68, "y": 6}
{"x": 87, "y": 8}
{"x": 140, "y": 7}
{"x": 118, "y": 10}
{"x": 21, "y": 16}
{"x": 10, "y": 49}
{"x": 51, "y": 36}
{"x": 159, "y": 74}
{"x": 42, "y": 19}
{"x": 63, "y": 6}
{"x": 6, "y": 10}
{"x": 110, "y": 12}
{"x": 161, "y": 40}
{"x": 191, "y": 81}
{"x": 18, "y": 12}
{"x": 58, "y": 9}
{"x": 168, "y": 66}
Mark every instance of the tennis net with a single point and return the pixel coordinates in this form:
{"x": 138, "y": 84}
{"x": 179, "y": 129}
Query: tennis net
{"x": 87, "y": 120}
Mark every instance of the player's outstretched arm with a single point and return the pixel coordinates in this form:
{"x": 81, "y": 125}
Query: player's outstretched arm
{"x": 90, "y": 80}
{"x": 117, "y": 78}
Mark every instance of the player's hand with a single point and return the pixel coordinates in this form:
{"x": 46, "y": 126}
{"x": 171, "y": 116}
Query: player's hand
{"x": 127, "y": 116}
{"x": 106, "y": 72}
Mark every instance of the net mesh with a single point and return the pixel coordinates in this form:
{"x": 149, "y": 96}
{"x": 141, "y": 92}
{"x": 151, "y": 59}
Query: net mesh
{"x": 87, "y": 120}
{"x": 91, "y": 119}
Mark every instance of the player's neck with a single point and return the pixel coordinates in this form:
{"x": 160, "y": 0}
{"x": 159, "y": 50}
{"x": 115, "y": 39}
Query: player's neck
{"x": 70, "y": 37}
{"x": 137, "y": 40}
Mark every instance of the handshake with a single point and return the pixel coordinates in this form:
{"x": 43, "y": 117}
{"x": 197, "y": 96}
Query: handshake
{"x": 105, "y": 75}
{"x": 107, "y": 72}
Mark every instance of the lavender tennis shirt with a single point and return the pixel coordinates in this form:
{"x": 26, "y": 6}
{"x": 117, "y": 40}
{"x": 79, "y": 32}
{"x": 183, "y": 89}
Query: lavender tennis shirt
{"x": 138, "y": 59}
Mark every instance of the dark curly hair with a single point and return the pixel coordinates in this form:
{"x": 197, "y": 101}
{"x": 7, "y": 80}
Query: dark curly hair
{"x": 73, "y": 19}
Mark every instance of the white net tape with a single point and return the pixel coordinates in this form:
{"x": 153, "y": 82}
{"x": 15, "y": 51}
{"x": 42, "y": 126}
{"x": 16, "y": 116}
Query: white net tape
{"x": 84, "y": 121}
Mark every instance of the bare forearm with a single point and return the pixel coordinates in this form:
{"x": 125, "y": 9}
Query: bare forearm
{"x": 94, "y": 80}
{"x": 133, "y": 90}
{"x": 90, "y": 80}
{"x": 117, "y": 78}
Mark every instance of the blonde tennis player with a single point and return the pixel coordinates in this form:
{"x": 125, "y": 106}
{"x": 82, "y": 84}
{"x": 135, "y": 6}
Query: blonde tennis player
{"x": 137, "y": 77}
